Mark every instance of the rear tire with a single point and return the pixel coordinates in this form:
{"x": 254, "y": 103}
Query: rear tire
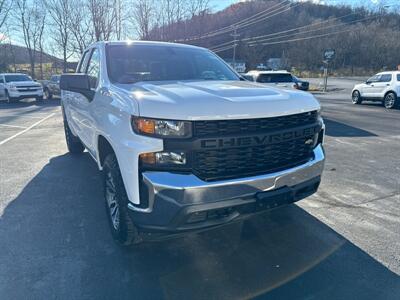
{"x": 47, "y": 94}
{"x": 390, "y": 100}
{"x": 356, "y": 97}
{"x": 122, "y": 228}
{"x": 74, "y": 144}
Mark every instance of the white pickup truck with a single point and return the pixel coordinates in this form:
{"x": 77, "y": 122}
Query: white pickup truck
{"x": 16, "y": 86}
{"x": 184, "y": 142}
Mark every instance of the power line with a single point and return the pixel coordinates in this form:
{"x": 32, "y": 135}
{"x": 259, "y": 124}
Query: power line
{"x": 303, "y": 38}
{"x": 257, "y": 15}
{"x": 246, "y": 22}
{"x": 297, "y": 28}
{"x": 222, "y": 49}
{"x": 308, "y": 31}
{"x": 258, "y": 39}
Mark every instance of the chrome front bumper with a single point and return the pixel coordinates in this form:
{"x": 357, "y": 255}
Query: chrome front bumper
{"x": 170, "y": 192}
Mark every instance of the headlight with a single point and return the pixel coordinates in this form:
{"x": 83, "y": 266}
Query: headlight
{"x": 12, "y": 87}
{"x": 163, "y": 159}
{"x": 162, "y": 128}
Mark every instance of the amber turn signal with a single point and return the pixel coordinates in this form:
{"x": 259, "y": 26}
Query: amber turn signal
{"x": 148, "y": 158}
{"x": 145, "y": 125}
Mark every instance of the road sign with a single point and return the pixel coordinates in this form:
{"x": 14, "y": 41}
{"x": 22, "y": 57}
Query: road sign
{"x": 329, "y": 54}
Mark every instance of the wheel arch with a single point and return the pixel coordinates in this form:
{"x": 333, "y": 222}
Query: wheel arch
{"x": 104, "y": 147}
{"x": 390, "y": 91}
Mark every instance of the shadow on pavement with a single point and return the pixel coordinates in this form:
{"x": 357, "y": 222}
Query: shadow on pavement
{"x": 29, "y": 103}
{"x": 338, "y": 129}
{"x": 55, "y": 243}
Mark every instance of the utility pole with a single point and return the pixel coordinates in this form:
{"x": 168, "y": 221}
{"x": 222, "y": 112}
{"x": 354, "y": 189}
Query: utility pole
{"x": 235, "y": 35}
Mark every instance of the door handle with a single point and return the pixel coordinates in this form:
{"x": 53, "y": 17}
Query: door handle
{"x": 387, "y": 84}
{"x": 372, "y": 85}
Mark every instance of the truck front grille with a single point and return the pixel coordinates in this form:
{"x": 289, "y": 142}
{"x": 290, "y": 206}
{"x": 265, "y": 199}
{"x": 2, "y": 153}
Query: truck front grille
{"x": 249, "y": 161}
{"x": 247, "y": 126}
{"x": 237, "y": 162}
{"x": 30, "y": 88}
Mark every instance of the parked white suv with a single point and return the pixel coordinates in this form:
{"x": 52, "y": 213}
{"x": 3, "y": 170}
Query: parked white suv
{"x": 183, "y": 142}
{"x": 16, "y": 86}
{"x": 383, "y": 87}
{"x": 282, "y": 79}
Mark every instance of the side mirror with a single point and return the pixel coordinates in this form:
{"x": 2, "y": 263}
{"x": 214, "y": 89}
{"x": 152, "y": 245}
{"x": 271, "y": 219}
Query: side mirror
{"x": 368, "y": 82}
{"x": 78, "y": 83}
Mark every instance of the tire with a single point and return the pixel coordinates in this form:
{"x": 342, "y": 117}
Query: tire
{"x": 47, "y": 94}
{"x": 74, "y": 144}
{"x": 8, "y": 98}
{"x": 390, "y": 100}
{"x": 356, "y": 97}
{"x": 116, "y": 201}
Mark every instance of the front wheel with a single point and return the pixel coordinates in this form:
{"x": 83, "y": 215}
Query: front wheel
{"x": 356, "y": 97}
{"x": 122, "y": 228}
{"x": 8, "y": 98}
{"x": 390, "y": 100}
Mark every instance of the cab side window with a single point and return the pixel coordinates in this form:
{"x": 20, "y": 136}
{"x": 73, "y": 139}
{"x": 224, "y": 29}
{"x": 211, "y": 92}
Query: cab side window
{"x": 398, "y": 77}
{"x": 93, "y": 69}
{"x": 2, "y": 79}
{"x": 82, "y": 64}
{"x": 386, "y": 78}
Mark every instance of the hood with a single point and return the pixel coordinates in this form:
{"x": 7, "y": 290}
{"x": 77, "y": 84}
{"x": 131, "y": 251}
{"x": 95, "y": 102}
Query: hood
{"x": 24, "y": 83}
{"x": 213, "y": 100}
{"x": 359, "y": 85}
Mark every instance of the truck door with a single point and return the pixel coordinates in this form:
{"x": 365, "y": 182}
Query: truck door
{"x": 2, "y": 87}
{"x": 57, "y": 85}
{"x": 71, "y": 100}
{"x": 83, "y": 105}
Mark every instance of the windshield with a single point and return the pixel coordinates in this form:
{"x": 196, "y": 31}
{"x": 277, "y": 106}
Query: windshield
{"x": 129, "y": 64}
{"x": 11, "y": 78}
{"x": 274, "y": 78}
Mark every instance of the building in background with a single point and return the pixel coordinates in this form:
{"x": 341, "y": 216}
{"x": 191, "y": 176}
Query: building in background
{"x": 239, "y": 66}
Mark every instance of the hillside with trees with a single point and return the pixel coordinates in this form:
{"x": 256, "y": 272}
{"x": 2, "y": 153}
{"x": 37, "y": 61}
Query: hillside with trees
{"x": 298, "y": 33}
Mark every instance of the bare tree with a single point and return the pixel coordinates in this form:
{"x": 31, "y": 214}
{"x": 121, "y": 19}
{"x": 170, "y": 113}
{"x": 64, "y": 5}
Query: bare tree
{"x": 143, "y": 13}
{"x": 31, "y": 18}
{"x": 103, "y": 17}
{"x": 5, "y": 7}
{"x": 60, "y": 11}
{"x": 41, "y": 27}
{"x": 198, "y": 7}
{"x": 80, "y": 26}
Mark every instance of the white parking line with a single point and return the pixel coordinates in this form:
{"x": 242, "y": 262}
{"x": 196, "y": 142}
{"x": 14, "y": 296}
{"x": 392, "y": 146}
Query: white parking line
{"x": 12, "y": 126}
{"x": 26, "y": 129}
{"x": 20, "y": 116}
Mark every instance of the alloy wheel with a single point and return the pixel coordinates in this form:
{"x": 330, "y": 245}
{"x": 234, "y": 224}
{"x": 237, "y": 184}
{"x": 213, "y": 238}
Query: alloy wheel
{"x": 389, "y": 100}
{"x": 111, "y": 198}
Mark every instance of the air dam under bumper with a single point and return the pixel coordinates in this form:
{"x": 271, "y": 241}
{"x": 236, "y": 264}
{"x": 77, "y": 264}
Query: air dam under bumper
{"x": 180, "y": 202}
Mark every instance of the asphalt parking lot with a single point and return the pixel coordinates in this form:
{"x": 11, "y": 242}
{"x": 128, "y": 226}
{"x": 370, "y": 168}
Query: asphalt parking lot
{"x": 342, "y": 243}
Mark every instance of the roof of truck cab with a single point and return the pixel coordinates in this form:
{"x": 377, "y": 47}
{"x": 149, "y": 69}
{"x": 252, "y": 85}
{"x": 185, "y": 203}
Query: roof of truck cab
{"x": 149, "y": 43}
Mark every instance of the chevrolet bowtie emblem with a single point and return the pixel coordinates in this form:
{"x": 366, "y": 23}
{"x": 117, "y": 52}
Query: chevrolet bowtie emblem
{"x": 309, "y": 142}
